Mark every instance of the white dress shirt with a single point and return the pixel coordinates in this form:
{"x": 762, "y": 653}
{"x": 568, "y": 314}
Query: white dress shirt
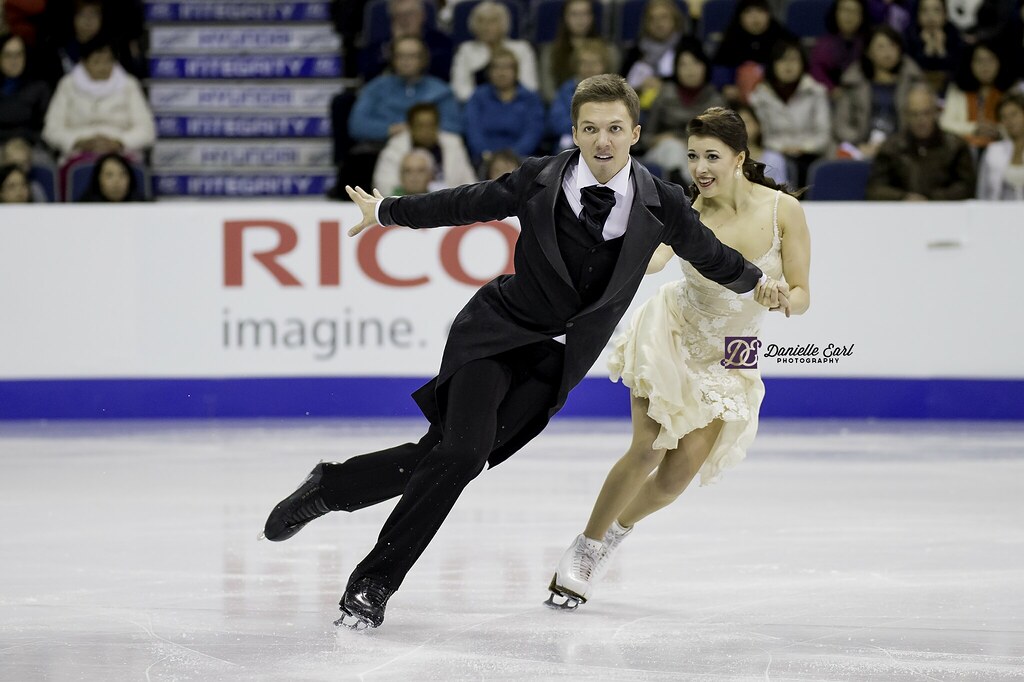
{"x": 579, "y": 176}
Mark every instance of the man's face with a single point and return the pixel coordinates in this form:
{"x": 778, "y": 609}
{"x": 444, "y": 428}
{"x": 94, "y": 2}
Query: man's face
{"x": 921, "y": 114}
{"x": 415, "y": 174}
{"x": 423, "y": 129}
{"x": 604, "y": 132}
{"x": 407, "y": 59}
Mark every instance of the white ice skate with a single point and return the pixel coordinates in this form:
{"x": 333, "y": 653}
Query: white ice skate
{"x": 613, "y": 537}
{"x": 573, "y": 579}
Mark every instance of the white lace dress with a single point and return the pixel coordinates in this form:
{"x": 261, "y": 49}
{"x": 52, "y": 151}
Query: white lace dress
{"x": 672, "y": 355}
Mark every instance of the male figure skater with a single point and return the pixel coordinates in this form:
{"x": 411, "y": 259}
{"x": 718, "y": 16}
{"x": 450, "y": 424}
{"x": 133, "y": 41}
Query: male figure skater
{"x": 590, "y": 221}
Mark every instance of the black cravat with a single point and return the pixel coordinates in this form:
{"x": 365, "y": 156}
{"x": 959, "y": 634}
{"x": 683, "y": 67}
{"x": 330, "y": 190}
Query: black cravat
{"x": 597, "y": 204}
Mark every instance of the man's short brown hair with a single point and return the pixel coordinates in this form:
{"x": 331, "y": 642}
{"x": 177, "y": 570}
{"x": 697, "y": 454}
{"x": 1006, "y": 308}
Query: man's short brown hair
{"x": 606, "y": 87}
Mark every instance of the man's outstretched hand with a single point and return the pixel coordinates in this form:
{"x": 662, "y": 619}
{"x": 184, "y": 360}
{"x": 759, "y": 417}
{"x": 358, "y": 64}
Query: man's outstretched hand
{"x": 367, "y": 204}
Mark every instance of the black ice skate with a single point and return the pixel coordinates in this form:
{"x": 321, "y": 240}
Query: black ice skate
{"x": 363, "y": 603}
{"x": 298, "y": 509}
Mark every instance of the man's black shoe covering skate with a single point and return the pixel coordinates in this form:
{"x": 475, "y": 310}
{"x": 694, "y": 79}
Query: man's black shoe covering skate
{"x": 298, "y": 509}
{"x": 365, "y": 600}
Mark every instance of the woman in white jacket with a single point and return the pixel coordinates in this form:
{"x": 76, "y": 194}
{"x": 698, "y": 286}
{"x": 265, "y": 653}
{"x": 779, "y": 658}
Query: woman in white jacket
{"x": 794, "y": 109}
{"x": 98, "y": 108}
{"x": 1001, "y": 175}
{"x": 490, "y": 23}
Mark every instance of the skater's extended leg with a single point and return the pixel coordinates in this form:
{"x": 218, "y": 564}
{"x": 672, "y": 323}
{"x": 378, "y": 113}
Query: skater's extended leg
{"x": 367, "y": 479}
{"x": 674, "y": 473}
{"x": 474, "y": 393}
{"x": 629, "y": 473}
{"x": 330, "y": 487}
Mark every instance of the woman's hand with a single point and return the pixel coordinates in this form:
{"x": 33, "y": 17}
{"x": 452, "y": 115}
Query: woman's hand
{"x": 773, "y": 295}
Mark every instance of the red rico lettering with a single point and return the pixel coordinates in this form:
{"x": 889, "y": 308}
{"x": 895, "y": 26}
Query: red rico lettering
{"x": 368, "y": 249}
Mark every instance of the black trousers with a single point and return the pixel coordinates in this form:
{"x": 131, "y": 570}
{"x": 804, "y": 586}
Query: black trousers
{"x": 489, "y": 400}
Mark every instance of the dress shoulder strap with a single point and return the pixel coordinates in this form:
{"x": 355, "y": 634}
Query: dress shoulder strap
{"x": 775, "y": 216}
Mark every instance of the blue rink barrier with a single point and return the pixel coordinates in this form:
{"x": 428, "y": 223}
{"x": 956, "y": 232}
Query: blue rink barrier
{"x": 202, "y": 10}
{"x": 253, "y": 66}
{"x": 979, "y": 399}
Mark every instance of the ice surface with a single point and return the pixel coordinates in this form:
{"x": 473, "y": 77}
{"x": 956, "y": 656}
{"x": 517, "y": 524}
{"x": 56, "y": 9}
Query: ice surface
{"x": 837, "y": 551}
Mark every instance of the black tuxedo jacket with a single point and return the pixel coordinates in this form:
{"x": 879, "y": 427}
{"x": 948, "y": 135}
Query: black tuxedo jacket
{"x": 539, "y": 301}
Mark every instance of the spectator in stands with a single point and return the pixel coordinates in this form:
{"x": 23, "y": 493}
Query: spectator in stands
{"x": 794, "y": 109}
{"x": 98, "y": 108}
{"x": 23, "y": 100}
{"x": 19, "y": 152}
{"x": 447, "y": 149}
{"x": 973, "y": 98}
{"x": 842, "y": 45}
{"x": 894, "y": 13}
{"x": 112, "y": 181}
{"x": 775, "y": 163}
{"x": 653, "y": 56}
{"x": 501, "y": 162}
{"x": 417, "y": 173}
{"x": 934, "y": 43}
{"x": 688, "y": 94}
{"x": 591, "y": 57}
{"x": 1001, "y": 175}
{"x": 873, "y": 92}
{"x": 1010, "y": 39}
{"x": 502, "y": 114}
{"x": 558, "y": 58}
{"x": 408, "y": 18}
{"x": 14, "y": 186}
{"x": 70, "y": 24}
{"x": 490, "y": 22}
{"x": 922, "y": 162}
{"x": 746, "y": 48}
{"x": 380, "y": 108}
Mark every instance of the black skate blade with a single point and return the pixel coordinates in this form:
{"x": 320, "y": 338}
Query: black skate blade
{"x": 570, "y": 603}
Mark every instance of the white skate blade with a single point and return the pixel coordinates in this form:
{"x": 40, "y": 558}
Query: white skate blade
{"x": 569, "y": 603}
{"x": 261, "y": 536}
{"x": 352, "y": 622}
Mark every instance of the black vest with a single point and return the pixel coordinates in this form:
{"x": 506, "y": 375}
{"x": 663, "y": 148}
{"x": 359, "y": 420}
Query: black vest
{"x": 587, "y": 256}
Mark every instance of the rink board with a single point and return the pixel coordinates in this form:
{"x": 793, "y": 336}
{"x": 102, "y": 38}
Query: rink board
{"x": 268, "y": 309}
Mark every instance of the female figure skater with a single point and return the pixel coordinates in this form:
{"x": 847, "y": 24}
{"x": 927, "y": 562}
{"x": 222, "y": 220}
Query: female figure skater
{"x": 690, "y": 413}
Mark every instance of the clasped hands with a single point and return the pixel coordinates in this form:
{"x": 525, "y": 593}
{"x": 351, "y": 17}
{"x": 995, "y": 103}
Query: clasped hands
{"x": 773, "y": 295}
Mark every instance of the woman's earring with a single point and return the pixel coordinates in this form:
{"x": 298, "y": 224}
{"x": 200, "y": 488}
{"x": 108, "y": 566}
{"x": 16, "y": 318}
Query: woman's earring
{"x": 737, "y": 171}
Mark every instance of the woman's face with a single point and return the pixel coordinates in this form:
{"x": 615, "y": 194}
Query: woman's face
{"x": 1012, "y": 118}
{"x": 579, "y": 18}
{"x": 849, "y": 17}
{"x": 12, "y": 58}
{"x": 755, "y": 20}
{"x": 14, "y": 189}
{"x": 489, "y": 27}
{"x": 503, "y": 72}
{"x": 661, "y": 22}
{"x": 690, "y": 71}
{"x": 931, "y": 14}
{"x": 114, "y": 181}
{"x": 985, "y": 65}
{"x": 100, "y": 64}
{"x": 88, "y": 21}
{"x": 788, "y": 67}
{"x": 712, "y": 165}
{"x": 883, "y": 53}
